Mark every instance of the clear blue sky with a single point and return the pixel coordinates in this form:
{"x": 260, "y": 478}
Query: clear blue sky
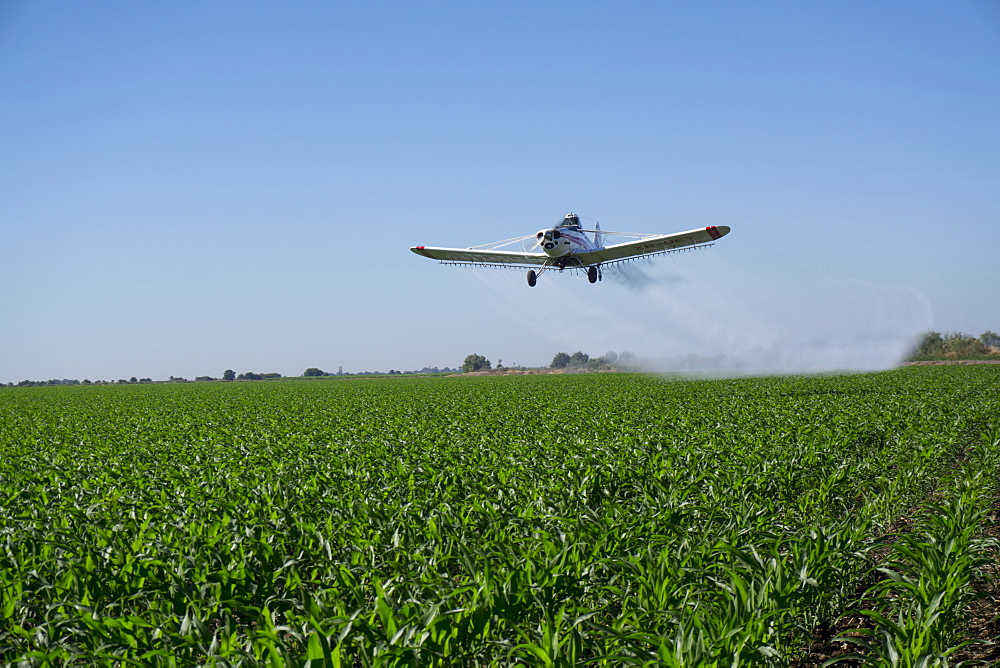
{"x": 190, "y": 187}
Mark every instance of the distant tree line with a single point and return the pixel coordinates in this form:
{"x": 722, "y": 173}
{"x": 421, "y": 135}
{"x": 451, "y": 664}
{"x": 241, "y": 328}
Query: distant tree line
{"x": 932, "y": 346}
{"x": 314, "y": 372}
{"x": 581, "y": 360}
{"x": 250, "y": 375}
{"x": 227, "y": 375}
{"x": 54, "y": 381}
{"x": 562, "y": 360}
{"x": 935, "y": 346}
{"x": 73, "y": 381}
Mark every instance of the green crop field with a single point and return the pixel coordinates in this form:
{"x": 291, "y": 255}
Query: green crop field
{"x": 599, "y": 519}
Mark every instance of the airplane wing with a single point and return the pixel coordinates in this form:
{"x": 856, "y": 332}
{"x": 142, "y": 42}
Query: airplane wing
{"x": 652, "y": 245}
{"x": 487, "y": 257}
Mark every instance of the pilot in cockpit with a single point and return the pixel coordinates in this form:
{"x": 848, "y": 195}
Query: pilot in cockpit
{"x": 571, "y": 220}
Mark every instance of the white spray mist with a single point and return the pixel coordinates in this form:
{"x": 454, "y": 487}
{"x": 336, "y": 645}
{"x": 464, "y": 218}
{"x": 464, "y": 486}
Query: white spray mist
{"x": 700, "y": 312}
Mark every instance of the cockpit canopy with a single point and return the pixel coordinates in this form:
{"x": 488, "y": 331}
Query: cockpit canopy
{"x": 571, "y": 220}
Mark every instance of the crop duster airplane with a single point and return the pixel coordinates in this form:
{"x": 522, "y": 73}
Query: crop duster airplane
{"x": 567, "y": 246}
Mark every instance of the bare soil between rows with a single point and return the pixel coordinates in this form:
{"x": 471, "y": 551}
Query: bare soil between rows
{"x": 941, "y": 362}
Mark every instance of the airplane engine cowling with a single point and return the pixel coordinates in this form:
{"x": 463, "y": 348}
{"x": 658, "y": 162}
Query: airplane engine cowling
{"x": 553, "y": 243}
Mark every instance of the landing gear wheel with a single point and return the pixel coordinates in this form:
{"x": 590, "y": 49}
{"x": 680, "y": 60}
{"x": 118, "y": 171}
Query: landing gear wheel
{"x": 592, "y": 274}
{"x": 532, "y": 278}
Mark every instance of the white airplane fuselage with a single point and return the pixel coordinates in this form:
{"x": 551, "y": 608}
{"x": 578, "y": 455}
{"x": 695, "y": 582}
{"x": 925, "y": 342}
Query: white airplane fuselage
{"x": 564, "y": 239}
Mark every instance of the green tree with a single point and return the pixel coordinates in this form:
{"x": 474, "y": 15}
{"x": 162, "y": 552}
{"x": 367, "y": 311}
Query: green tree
{"x": 955, "y": 345}
{"x": 964, "y": 346}
{"x": 228, "y": 374}
{"x": 475, "y": 362}
{"x": 313, "y": 371}
{"x": 578, "y": 358}
{"x": 931, "y": 343}
{"x": 610, "y": 357}
{"x": 560, "y": 361}
{"x": 991, "y": 339}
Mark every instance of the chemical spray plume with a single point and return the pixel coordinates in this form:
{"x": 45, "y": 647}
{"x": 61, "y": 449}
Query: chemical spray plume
{"x": 703, "y": 313}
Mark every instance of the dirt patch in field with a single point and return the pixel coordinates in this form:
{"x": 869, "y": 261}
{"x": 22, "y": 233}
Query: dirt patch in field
{"x": 825, "y": 645}
{"x": 937, "y": 362}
